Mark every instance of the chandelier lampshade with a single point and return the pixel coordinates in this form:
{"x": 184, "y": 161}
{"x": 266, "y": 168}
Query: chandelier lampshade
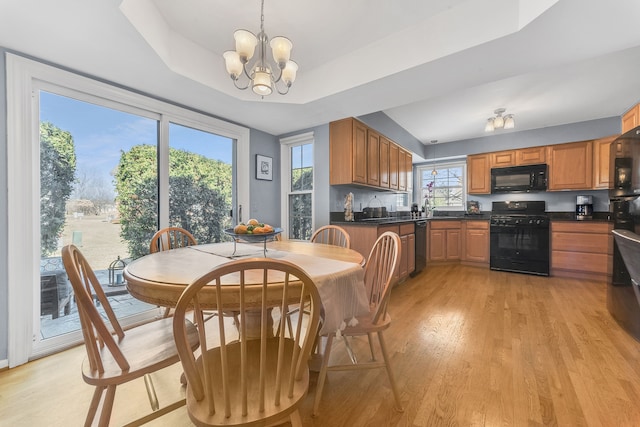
{"x": 500, "y": 121}
{"x": 260, "y": 75}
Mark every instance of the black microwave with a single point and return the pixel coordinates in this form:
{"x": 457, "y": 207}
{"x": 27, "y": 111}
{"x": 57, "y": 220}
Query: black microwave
{"x": 519, "y": 179}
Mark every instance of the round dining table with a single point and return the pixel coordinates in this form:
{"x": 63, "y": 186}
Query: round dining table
{"x": 161, "y": 277}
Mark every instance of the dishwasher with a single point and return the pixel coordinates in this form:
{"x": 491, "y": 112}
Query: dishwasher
{"x": 421, "y": 247}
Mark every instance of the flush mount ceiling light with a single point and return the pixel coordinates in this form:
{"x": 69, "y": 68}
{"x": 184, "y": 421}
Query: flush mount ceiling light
{"x": 500, "y": 122}
{"x": 259, "y": 74}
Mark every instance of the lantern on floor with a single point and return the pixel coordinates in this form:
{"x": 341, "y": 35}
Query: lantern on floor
{"x": 116, "y": 268}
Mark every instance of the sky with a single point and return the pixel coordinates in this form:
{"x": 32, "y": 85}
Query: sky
{"x": 100, "y": 133}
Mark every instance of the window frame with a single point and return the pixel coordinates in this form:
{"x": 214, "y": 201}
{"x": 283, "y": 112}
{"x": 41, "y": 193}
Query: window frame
{"x": 428, "y": 167}
{"x": 285, "y": 177}
{"x": 24, "y": 77}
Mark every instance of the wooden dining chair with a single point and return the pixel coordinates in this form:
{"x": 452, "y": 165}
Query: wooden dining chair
{"x": 332, "y": 235}
{"x": 113, "y": 356}
{"x": 263, "y": 377}
{"x": 171, "y": 238}
{"x": 378, "y": 279}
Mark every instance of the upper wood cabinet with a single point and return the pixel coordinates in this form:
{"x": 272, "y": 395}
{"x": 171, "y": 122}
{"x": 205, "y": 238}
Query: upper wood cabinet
{"x": 519, "y": 157}
{"x": 570, "y": 166}
{"x": 478, "y": 174}
{"x": 403, "y": 173}
{"x": 601, "y": 157}
{"x": 373, "y": 158}
{"x": 501, "y": 159}
{"x": 360, "y": 155}
{"x": 631, "y": 118}
{"x": 384, "y": 162}
{"x": 394, "y": 152}
{"x": 531, "y": 156}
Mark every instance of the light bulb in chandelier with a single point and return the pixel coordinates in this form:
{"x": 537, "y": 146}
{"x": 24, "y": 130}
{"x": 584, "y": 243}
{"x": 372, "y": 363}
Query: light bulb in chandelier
{"x": 260, "y": 74}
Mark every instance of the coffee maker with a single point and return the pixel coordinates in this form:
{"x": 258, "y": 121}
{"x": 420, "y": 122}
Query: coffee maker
{"x": 584, "y": 207}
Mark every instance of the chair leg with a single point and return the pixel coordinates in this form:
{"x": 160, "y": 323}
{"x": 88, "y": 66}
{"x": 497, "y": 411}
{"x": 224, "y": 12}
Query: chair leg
{"x": 352, "y": 355}
{"x": 392, "y": 381}
{"x": 107, "y": 406}
{"x": 93, "y": 407}
{"x": 295, "y": 418}
{"x": 373, "y": 354}
{"x": 151, "y": 392}
{"x": 322, "y": 375}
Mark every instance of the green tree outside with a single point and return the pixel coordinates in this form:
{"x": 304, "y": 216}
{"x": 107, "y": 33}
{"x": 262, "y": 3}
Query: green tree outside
{"x": 57, "y": 174}
{"x": 200, "y": 192}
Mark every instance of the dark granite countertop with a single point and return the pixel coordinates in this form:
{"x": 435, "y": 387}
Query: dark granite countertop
{"x": 339, "y": 219}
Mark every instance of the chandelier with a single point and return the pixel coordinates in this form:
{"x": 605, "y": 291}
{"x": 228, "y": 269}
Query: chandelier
{"x": 499, "y": 122}
{"x": 260, "y": 74}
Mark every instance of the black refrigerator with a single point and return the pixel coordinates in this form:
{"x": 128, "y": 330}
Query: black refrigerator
{"x": 624, "y": 206}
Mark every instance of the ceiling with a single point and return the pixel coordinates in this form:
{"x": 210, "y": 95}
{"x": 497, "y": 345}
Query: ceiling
{"x": 438, "y": 68}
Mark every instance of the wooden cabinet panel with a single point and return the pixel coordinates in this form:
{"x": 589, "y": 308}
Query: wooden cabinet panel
{"x": 408, "y": 166}
{"x": 601, "y": 157}
{"x": 411, "y": 253}
{"x": 393, "y": 166}
{"x": 444, "y": 240}
{"x": 454, "y": 244}
{"x": 501, "y": 159}
{"x": 570, "y": 166}
{"x": 373, "y": 158}
{"x": 359, "y": 153}
{"x": 478, "y": 174}
{"x": 581, "y": 249}
{"x": 404, "y": 258}
{"x": 437, "y": 245}
{"x": 631, "y": 118}
{"x": 531, "y": 156}
{"x": 384, "y": 161}
{"x": 402, "y": 170}
{"x": 475, "y": 242}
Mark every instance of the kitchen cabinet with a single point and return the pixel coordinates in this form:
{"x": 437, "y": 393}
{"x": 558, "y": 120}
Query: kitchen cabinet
{"x": 406, "y": 231}
{"x": 519, "y": 157}
{"x": 360, "y": 155}
{"x": 531, "y": 156}
{"x": 475, "y": 242}
{"x": 384, "y": 162}
{"x": 444, "y": 241}
{"x": 581, "y": 249}
{"x": 631, "y": 118}
{"x": 364, "y": 236}
{"x": 478, "y": 174}
{"x": 373, "y": 158}
{"x": 501, "y": 159}
{"x": 405, "y": 170}
{"x": 601, "y": 157}
{"x": 393, "y": 166}
{"x": 347, "y": 152}
{"x": 570, "y": 166}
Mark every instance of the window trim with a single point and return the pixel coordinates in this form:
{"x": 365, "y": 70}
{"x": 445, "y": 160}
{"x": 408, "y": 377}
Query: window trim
{"x": 285, "y": 176}
{"x": 428, "y": 167}
{"x": 23, "y": 77}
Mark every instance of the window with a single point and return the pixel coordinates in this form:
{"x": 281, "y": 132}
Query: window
{"x": 31, "y": 86}
{"x": 297, "y": 185}
{"x": 446, "y": 189}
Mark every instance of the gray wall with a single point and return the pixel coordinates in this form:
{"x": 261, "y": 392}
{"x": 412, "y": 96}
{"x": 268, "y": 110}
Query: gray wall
{"x": 265, "y": 195}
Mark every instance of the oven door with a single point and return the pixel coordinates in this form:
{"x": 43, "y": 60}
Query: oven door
{"x": 520, "y": 248}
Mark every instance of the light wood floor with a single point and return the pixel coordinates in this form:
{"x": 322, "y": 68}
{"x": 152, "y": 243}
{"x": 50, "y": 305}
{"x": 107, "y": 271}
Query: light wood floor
{"x": 470, "y": 347}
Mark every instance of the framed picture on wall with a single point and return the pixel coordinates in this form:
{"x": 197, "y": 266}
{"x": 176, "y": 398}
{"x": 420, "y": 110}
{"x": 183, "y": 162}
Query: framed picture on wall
{"x": 264, "y": 167}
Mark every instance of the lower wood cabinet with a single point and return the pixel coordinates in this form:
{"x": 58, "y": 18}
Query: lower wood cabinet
{"x": 475, "y": 242}
{"x": 581, "y": 249}
{"x": 444, "y": 242}
{"x": 363, "y": 237}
